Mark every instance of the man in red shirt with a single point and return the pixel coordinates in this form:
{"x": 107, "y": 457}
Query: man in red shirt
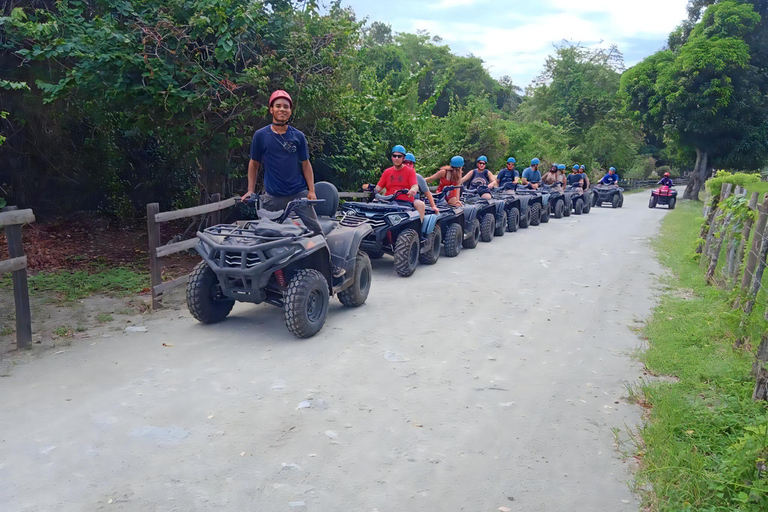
{"x": 399, "y": 177}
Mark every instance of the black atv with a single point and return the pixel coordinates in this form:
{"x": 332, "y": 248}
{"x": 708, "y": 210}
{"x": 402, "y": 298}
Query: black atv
{"x": 578, "y": 198}
{"x": 513, "y": 205}
{"x": 612, "y": 194}
{"x": 396, "y": 229}
{"x": 560, "y": 203}
{"x": 446, "y": 225}
{"x": 275, "y": 259}
{"x": 489, "y": 213}
{"x": 538, "y": 205}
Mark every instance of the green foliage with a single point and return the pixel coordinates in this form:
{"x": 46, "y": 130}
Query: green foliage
{"x": 642, "y": 168}
{"x": 705, "y": 436}
{"x": 715, "y": 183}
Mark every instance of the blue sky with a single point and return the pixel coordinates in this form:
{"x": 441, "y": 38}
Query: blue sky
{"x": 515, "y": 37}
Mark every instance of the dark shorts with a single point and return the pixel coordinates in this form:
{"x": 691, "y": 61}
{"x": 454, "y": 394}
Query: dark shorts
{"x": 482, "y": 190}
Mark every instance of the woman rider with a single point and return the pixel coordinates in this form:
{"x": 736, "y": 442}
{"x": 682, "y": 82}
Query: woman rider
{"x": 449, "y": 176}
{"x": 481, "y": 179}
{"x": 551, "y": 177}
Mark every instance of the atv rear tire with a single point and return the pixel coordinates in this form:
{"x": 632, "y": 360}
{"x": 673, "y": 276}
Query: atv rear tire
{"x": 501, "y": 225}
{"x": 525, "y": 220}
{"x": 672, "y": 203}
{"x": 487, "y": 227}
{"x": 406, "y": 253}
{"x": 473, "y": 237}
{"x": 513, "y": 220}
{"x": 535, "y": 214}
{"x": 305, "y": 304}
{"x": 432, "y": 247}
{"x": 652, "y": 202}
{"x": 204, "y": 298}
{"x": 357, "y": 293}
{"x": 453, "y": 240}
{"x": 615, "y": 201}
{"x": 545, "y": 214}
{"x": 595, "y": 200}
{"x": 559, "y": 206}
{"x": 578, "y": 206}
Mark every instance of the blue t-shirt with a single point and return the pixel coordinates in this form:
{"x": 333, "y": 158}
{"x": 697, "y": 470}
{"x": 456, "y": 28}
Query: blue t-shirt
{"x": 281, "y": 157}
{"x": 531, "y": 175}
{"x": 507, "y": 176}
{"x": 609, "y": 179}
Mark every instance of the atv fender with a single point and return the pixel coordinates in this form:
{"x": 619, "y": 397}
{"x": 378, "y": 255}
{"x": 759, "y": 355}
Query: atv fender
{"x": 430, "y": 221}
{"x": 344, "y": 244}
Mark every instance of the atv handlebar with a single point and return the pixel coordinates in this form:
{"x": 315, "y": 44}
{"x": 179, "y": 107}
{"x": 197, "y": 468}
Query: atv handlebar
{"x": 389, "y": 198}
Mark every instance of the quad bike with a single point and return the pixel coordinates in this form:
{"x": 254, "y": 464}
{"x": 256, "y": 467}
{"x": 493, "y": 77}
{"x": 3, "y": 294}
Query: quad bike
{"x": 527, "y": 201}
{"x": 447, "y": 226}
{"x": 663, "y": 195}
{"x": 538, "y": 205}
{"x": 578, "y": 199}
{"x": 608, "y": 194}
{"x": 560, "y": 203}
{"x": 277, "y": 260}
{"x": 490, "y": 212}
{"x": 397, "y": 229}
{"x": 513, "y": 205}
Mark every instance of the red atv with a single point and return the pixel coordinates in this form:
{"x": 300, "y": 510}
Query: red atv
{"x": 663, "y": 195}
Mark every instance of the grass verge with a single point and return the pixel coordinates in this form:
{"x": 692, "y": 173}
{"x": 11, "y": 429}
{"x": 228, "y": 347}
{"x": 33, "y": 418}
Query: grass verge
{"x": 81, "y": 284}
{"x": 705, "y": 441}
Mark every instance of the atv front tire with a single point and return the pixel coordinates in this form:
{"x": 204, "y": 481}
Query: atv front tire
{"x": 559, "y": 206}
{"x": 432, "y": 247}
{"x": 652, "y": 202}
{"x": 357, "y": 293}
{"x": 578, "y": 206}
{"x": 487, "y": 227}
{"x": 205, "y": 301}
{"x": 535, "y": 214}
{"x": 473, "y": 237}
{"x": 513, "y": 220}
{"x": 305, "y": 304}
{"x": 672, "y": 202}
{"x": 501, "y": 225}
{"x": 544, "y": 217}
{"x": 525, "y": 220}
{"x": 406, "y": 253}
{"x": 453, "y": 240}
{"x": 615, "y": 201}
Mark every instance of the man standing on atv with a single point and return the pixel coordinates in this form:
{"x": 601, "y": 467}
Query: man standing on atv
{"x": 532, "y": 174}
{"x": 666, "y": 181}
{"x": 508, "y": 174}
{"x": 449, "y": 176}
{"x": 282, "y": 151}
{"x": 611, "y": 178}
{"x": 480, "y": 179}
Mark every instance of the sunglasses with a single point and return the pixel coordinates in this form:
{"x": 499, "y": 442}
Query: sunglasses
{"x": 480, "y": 163}
{"x": 397, "y": 155}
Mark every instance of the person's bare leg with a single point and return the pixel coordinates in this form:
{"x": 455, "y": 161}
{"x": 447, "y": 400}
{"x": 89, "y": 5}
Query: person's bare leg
{"x": 419, "y": 205}
{"x": 486, "y": 196}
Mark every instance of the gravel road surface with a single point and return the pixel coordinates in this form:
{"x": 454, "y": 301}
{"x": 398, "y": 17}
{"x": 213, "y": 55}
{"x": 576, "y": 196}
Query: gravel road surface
{"x": 495, "y": 379}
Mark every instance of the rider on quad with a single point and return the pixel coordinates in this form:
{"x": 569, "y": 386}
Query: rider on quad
{"x": 509, "y": 174}
{"x": 611, "y": 178}
{"x": 666, "y": 181}
{"x": 550, "y": 177}
{"x": 532, "y": 174}
{"x": 410, "y": 161}
{"x": 480, "y": 179}
{"x": 288, "y": 175}
{"x": 400, "y": 177}
{"x": 449, "y": 176}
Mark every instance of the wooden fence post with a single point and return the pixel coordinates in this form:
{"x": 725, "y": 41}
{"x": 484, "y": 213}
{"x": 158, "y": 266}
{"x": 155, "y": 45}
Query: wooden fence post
{"x": 714, "y": 227}
{"x": 707, "y": 226}
{"x": 215, "y": 216}
{"x": 760, "y": 371}
{"x": 155, "y": 267}
{"x": 754, "y": 252}
{"x": 745, "y": 232}
{"x": 20, "y": 285}
{"x": 757, "y": 278}
{"x": 730, "y": 270}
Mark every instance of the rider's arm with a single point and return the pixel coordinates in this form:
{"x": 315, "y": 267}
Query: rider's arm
{"x": 465, "y": 178}
{"x": 253, "y": 175}
{"x": 439, "y": 174}
{"x": 493, "y": 182}
{"x": 309, "y": 176}
{"x": 382, "y": 181}
{"x": 431, "y": 200}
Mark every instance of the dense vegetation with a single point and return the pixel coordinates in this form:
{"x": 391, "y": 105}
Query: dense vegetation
{"x": 110, "y": 104}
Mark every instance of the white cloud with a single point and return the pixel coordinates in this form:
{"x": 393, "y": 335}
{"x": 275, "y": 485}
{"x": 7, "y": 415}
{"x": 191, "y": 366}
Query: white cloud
{"x": 449, "y": 4}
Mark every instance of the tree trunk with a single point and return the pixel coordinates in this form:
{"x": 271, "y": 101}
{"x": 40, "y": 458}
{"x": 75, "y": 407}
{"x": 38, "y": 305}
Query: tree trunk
{"x": 700, "y": 172}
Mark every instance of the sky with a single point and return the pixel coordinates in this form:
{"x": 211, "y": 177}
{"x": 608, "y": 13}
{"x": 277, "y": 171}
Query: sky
{"x": 514, "y": 37}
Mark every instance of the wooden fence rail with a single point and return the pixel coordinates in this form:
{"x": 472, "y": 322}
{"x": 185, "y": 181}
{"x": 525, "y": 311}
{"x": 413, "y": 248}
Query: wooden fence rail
{"x": 157, "y": 251}
{"x": 12, "y": 219}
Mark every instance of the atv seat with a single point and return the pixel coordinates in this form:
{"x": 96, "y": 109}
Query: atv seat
{"x": 266, "y": 214}
{"x": 328, "y": 192}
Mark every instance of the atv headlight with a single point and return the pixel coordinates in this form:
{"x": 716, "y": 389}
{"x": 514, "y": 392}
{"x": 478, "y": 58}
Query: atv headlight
{"x": 396, "y": 218}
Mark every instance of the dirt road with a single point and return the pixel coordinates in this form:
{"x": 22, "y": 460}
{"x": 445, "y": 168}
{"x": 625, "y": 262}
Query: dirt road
{"x": 491, "y": 380}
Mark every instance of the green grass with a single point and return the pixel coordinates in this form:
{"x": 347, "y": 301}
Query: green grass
{"x": 81, "y": 284}
{"x": 104, "y": 317}
{"x": 699, "y": 452}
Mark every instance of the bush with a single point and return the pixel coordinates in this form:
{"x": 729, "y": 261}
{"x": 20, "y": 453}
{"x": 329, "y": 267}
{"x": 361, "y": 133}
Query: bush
{"x": 642, "y": 168}
{"x": 739, "y": 178}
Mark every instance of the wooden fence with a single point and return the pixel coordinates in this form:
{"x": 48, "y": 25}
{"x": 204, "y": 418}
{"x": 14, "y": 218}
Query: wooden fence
{"x": 157, "y": 251}
{"x": 727, "y": 234}
{"x": 12, "y": 220}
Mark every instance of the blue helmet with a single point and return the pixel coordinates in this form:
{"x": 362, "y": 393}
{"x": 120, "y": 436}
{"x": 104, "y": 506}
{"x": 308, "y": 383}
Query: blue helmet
{"x": 483, "y": 159}
{"x": 511, "y": 160}
{"x": 410, "y": 158}
{"x": 576, "y": 166}
{"x": 457, "y": 161}
{"x": 398, "y": 149}
{"x": 582, "y": 167}
{"x": 535, "y": 161}
{"x": 612, "y": 169}
{"x": 561, "y": 167}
